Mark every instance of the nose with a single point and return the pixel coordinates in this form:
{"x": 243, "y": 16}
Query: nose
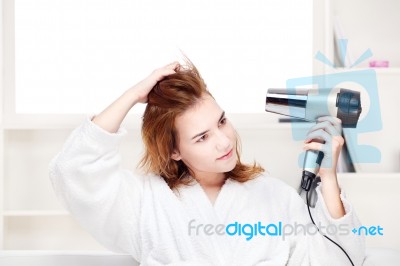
{"x": 223, "y": 142}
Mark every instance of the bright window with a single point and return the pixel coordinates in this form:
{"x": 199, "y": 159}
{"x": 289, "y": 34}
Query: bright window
{"x": 76, "y": 56}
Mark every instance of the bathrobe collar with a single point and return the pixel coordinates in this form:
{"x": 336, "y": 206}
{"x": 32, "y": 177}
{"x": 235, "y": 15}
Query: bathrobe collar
{"x": 198, "y": 206}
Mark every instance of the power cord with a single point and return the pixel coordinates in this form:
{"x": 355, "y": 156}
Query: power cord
{"x": 308, "y": 206}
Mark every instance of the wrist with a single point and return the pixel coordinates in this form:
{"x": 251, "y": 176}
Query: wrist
{"x": 327, "y": 173}
{"x": 330, "y": 191}
{"x": 328, "y": 177}
{"x": 132, "y": 96}
{"x": 329, "y": 181}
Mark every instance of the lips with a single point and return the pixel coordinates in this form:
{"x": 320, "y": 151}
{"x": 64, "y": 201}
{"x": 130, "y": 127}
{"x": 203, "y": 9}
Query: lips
{"x": 226, "y": 156}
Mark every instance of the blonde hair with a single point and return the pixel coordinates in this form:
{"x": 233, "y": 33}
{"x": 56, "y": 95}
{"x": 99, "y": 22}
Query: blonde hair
{"x": 169, "y": 98}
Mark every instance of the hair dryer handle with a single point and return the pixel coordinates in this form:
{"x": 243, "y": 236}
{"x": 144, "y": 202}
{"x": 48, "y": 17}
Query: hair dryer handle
{"x": 312, "y": 163}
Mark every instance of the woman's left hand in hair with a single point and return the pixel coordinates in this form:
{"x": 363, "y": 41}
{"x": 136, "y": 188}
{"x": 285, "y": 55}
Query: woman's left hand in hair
{"x": 329, "y": 131}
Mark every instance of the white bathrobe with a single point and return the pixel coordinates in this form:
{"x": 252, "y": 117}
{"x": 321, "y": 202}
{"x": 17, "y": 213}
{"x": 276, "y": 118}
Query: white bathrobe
{"x": 142, "y": 216}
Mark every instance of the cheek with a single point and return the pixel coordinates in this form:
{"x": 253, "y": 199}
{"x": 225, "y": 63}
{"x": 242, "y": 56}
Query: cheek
{"x": 204, "y": 152}
{"x": 196, "y": 153}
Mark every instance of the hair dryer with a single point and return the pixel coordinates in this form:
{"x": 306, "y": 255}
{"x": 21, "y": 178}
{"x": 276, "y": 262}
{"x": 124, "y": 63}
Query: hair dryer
{"x": 308, "y": 105}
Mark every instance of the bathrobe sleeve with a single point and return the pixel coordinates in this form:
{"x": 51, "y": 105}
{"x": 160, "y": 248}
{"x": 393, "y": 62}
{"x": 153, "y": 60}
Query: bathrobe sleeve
{"x": 105, "y": 199}
{"x": 315, "y": 249}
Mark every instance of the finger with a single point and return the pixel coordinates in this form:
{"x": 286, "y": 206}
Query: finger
{"x": 172, "y": 64}
{"x": 160, "y": 74}
{"x": 315, "y": 146}
{"x": 336, "y": 122}
{"x": 177, "y": 67}
{"x": 319, "y": 134}
{"x": 328, "y": 147}
{"x": 327, "y": 126}
{"x": 332, "y": 119}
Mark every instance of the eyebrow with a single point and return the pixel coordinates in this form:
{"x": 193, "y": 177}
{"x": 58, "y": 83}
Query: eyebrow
{"x": 204, "y": 132}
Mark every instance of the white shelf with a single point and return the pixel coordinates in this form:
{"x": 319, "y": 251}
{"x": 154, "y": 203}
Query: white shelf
{"x": 56, "y": 121}
{"x": 24, "y": 213}
{"x": 378, "y": 70}
{"x": 42, "y": 121}
{"x": 363, "y": 176}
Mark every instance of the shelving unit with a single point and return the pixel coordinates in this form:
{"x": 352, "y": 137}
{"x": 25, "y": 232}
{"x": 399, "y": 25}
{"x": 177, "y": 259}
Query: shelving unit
{"x": 31, "y": 217}
{"x": 31, "y": 213}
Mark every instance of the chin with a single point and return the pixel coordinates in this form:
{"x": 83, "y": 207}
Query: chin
{"x": 231, "y": 167}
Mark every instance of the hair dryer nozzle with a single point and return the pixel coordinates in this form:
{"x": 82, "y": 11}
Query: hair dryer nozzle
{"x": 287, "y": 102}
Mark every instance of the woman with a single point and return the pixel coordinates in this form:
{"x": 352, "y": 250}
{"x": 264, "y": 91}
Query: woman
{"x": 198, "y": 204}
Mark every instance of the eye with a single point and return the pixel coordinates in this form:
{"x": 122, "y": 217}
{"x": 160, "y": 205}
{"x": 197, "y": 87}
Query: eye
{"x": 222, "y": 121}
{"x": 202, "y": 138}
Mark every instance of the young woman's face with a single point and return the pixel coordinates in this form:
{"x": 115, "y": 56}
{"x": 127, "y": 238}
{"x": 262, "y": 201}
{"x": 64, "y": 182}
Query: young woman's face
{"x": 206, "y": 139}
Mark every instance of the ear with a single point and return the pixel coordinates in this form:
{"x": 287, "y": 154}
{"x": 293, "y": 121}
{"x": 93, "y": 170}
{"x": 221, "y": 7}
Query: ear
{"x": 176, "y": 155}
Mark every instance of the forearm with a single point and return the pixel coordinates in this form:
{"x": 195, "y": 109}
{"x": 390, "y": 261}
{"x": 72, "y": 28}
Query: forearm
{"x": 331, "y": 193}
{"x": 111, "y": 118}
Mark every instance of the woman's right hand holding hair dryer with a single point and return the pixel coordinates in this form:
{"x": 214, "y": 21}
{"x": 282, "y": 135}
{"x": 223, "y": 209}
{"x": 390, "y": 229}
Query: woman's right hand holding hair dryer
{"x": 111, "y": 118}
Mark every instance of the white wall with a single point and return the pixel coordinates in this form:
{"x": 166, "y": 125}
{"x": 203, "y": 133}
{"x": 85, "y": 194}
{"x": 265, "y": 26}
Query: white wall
{"x": 370, "y": 24}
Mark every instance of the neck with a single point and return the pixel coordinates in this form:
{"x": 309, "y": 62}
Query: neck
{"x": 211, "y": 181}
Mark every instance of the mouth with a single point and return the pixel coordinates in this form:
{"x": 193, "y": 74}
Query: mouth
{"x": 226, "y": 156}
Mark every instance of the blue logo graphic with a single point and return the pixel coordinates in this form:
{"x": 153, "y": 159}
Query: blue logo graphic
{"x": 368, "y": 231}
{"x": 325, "y": 85}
